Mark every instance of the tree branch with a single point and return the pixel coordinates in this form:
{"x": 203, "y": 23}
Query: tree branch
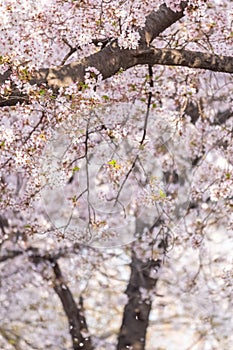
{"x": 108, "y": 61}
{"x": 111, "y": 59}
{"x": 77, "y": 322}
{"x": 185, "y": 58}
{"x": 157, "y": 22}
{"x": 10, "y": 254}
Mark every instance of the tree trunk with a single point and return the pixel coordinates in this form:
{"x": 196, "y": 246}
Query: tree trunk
{"x": 136, "y": 313}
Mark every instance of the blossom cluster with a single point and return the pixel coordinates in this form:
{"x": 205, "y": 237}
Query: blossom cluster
{"x": 93, "y": 164}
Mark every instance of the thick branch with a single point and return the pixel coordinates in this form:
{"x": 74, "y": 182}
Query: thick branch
{"x": 191, "y": 59}
{"x": 222, "y": 117}
{"x": 111, "y": 58}
{"x": 11, "y": 254}
{"x": 75, "y": 314}
{"x": 108, "y": 61}
{"x": 77, "y": 322}
{"x": 157, "y": 22}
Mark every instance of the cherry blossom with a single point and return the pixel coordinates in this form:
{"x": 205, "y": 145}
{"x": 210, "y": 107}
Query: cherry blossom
{"x": 116, "y": 174}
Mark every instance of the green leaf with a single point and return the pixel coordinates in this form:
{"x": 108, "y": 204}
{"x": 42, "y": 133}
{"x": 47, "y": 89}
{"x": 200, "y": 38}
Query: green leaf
{"x": 133, "y": 87}
{"x": 112, "y": 162}
{"x": 121, "y": 70}
{"x": 105, "y": 97}
{"x": 83, "y": 85}
{"x": 76, "y": 168}
{"x": 162, "y": 194}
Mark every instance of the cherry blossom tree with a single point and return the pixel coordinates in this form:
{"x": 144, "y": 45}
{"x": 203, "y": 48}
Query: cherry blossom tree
{"x": 116, "y": 174}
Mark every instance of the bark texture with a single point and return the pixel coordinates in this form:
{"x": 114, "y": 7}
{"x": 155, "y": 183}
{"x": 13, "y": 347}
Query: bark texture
{"x": 112, "y": 58}
{"x": 108, "y": 61}
{"x": 136, "y": 313}
{"x": 75, "y": 314}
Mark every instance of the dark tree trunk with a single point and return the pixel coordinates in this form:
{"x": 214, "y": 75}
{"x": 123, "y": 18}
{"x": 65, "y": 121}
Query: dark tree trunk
{"x": 77, "y": 323}
{"x": 136, "y": 313}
